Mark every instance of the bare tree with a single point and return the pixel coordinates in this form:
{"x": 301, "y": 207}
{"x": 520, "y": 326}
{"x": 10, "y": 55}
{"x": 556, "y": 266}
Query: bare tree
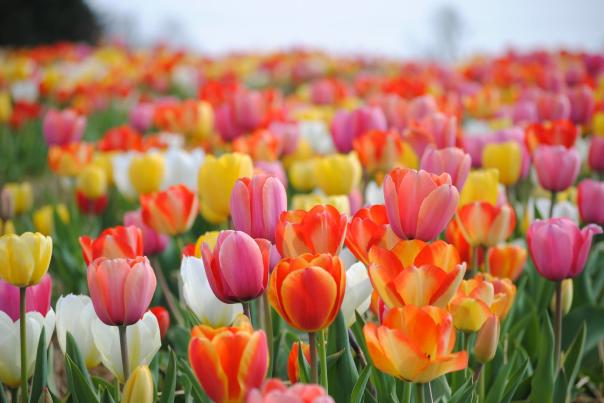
{"x": 448, "y": 33}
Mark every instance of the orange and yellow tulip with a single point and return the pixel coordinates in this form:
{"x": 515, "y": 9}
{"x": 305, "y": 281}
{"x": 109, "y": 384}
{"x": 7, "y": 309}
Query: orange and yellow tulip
{"x": 415, "y": 344}
{"x": 484, "y": 224}
{"x": 506, "y": 261}
{"x": 70, "y": 159}
{"x": 369, "y": 227}
{"x": 296, "y": 284}
{"x": 171, "y": 211}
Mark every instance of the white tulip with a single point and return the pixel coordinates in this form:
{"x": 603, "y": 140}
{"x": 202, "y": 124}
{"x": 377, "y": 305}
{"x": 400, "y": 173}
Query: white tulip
{"x": 120, "y": 164}
{"x": 374, "y": 194}
{"x": 10, "y": 344}
{"x": 143, "y": 343}
{"x": 317, "y": 134}
{"x": 358, "y": 292}
{"x": 179, "y": 166}
{"x": 25, "y": 90}
{"x": 75, "y": 314}
{"x": 199, "y": 296}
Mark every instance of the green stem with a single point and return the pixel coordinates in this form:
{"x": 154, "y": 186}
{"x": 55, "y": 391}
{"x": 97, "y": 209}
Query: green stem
{"x": 419, "y": 388}
{"x": 558, "y": 326}
{"x": 323, "y": 358}
{"x": 481, "y": 388}
{"x": 247, "y": 310}
{"x": 165, "y": 289}
{"x": 23, "y": 329}
{"x": 124, "y": 351}
{"x": 314, "y": 369}
{"x": 267, "y": 323}
{"x": 406, "y": 392}
{"x": 551, "y": 205}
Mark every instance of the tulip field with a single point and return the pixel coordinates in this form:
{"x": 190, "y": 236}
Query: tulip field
{"x": 300, "y": 227}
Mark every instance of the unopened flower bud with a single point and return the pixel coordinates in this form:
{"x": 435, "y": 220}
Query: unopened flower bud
{"x": 567, "y": 297}
{"x": 486, "y": 340}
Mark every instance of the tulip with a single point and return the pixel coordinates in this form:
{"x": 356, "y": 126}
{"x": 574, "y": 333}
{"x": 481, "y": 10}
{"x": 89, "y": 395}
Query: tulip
{"x": 596, "y": 154}
{"x": 217, "y": 177}
{"x": 139, "y": 387}
{"x": 146, "y": 172}
{"x": 436, "y": 129}
{"x": 288, "y": 133}
{"x": 558, "y": 248}
{"x": 320, "y": 230}
{"x": 143, "y": 341}
{"x": 63, "y": 127}
{"x": 140, "y": 116}
{"x": 75, "y": 314}
{"x": 400, "y": 282}
{"x": 153, "y": 242}
{"x": 380, "y": 151}
{"x": 121, "y": 289}
{"x": 369, "y": 227}
{"x": 308, "y": 201}
{"x": 237, "y": 267}
{"x": 567, "y": 297}
{"x": 112, "y": 243}
{"x": 243, "y": 112}
{"x": 559, "y": 132}
{"x": 43, "y": 218}
{"x": 122, "y": 138}
{"x": 293, "y": 365}
{"x": 411, "y": 197}
{"x": 487, "y": 338}
{"x": 24, "y": 259}
{"x": 171, "y": 211}
{"x": 70, "y": 159}
{"x": 346, "y": 126}
{"x": 338, "y": 174}
{"x": 261, "y": 145}
{"x": 552, "y": 106}
{"x": 414, "y": 344}
{"x": 179, "y": 166}
{"x": 274, "y": 390}
{"x": 455, "y": 236}
{"x": 163, "y": 319}
{"x": 37, "y": 298}
{"x": 297, "y": 283}
{"x": 483, "y": 224}
{"x": 506, "y": 261}
{"x": 481, "y": 185}
{"x": 590, "y": 199}
{"x": 210, "y": 238}
{"x": 228, "y": 362}
{"x": 6, "y": 108}
{"x": 582, "y": 104}
{"x": 357, "y": 296}
{"x": 557, "y": 167}
{"x": 449, "y": 160}
{"x": 200, "y": 298}
{"x": 21, "y": 196}
{"x": 256, "y": 205}
{"x": 10, "y": 344}
{"x": 302, "y": 175}
{"x": 506, "y": 158}
{"x": 271, "y": 168}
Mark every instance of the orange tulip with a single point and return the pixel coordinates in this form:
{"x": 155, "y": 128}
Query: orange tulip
{"x": 307, "y": 291}
{"x": 506, "y": 261}
{"x": 369, "y": 227}
{"x": 70, "y": 159}
{"x": 319, "y": 230}
{"x": 113, "y": 243}
{"x": 484, "y": 224}
{"x": 454, "y": 235}
{"x": 171, "y": 211}
{"x": 261, "y": 145}
{"x": 293, "y": 367}
{"x": 379, "y": 151}
{"x": 415, "y": 344}
{"x": 562, "y": 132}
{"x": 408, "y": 274}
{"x": 229, "y": 361}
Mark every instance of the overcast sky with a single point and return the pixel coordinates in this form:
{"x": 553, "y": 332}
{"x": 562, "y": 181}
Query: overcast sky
{"x": 388, "y": 27}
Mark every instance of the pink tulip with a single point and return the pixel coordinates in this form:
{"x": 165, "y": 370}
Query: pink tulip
{"x": 422, "y": 107}
{"x": 582, "y": 104}
{"x": 37, "y": 298}
{"x": 590, "y": 199}
{"x": 153, "y": 242}
{"x": 524, "y": 112}
{"x": 557, "y": 167}
{"x": 272, "y": 168}
{"x": 244, "y": 112}
{"x": 275, "y": 391}
{"x": 553, "y": 106}
{"x": 288, "y": 132}
{"x": 596, "y": 154}
{"x": 141, "y": 116}
{"x": 474, "y": 145}
{"x": 121, "y": 289}
{"x": 437, "y": 129}
{"x": 238, "y": 266}
{"x": 63, "y": 127}
{"x": 451, "y": 160}
{"x": 346, "y": 126}
{"x": 256, "y": 205}
{"x": 419, "y": 204}
{"x": 558, "y": 248}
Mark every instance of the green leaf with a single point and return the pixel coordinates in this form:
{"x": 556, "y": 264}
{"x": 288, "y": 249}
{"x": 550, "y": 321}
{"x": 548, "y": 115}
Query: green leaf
{"x": 593, "y": 317}
{"x": 169, "y": 388}
{"x": 106, "y": 396}
{"x": 543, "y": 382}
{"x": 464, "y": 393}
{"x": 3, "y": 398}
{"x": 359, "y": 388}
{"x": 515, "y": 381}
{"x": 343, "y": 372}
{"x": 80, "y": 389}
{"x": 41, "y": 372}
{"x": 572, "y": 363}
{"x": 303, "y": 365}
{"x": 196, "y": 389}
{"x": 74, "y": 353}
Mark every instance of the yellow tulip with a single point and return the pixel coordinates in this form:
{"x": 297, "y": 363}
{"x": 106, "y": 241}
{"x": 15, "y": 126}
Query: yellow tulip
{"x": 482, "y": 184}
{"x": 210, "y": 238}
{"x": 21, "y": 195}
{"x": 104, "y": 161}
{"x": 504, "y": 157}
{"x": 302, "y": 175}
{"x": 205, "y": 121}
{"x": 92, "y": 182}
{"x": 303, "y": 152}
{"x": 409, "y": 157}
{"x": 24, "y": 259}
{"x": 7, "y": 227}
{"x": 338, "y": 174}
{"x": 43, "y": 218}
{"x": 308, "y": 201}
{"x": 597, "y": 124}
{"x": 6, "y": 109}
{"x": 139, "y": 387}
{"x": 216, "y": 179}
{"x": 146, "y": 172}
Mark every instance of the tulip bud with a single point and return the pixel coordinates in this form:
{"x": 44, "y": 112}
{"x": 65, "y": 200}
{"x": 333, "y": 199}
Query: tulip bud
{"x": 163, "y": 318}
{"x": 567, "y": 297}
{"x": 6, "y": 205}
{"x": 486, "y": 340}
{"x": 139, "y": 387}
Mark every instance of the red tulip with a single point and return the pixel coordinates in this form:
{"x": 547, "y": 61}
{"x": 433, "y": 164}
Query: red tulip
{"x": 163, "y": 319}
